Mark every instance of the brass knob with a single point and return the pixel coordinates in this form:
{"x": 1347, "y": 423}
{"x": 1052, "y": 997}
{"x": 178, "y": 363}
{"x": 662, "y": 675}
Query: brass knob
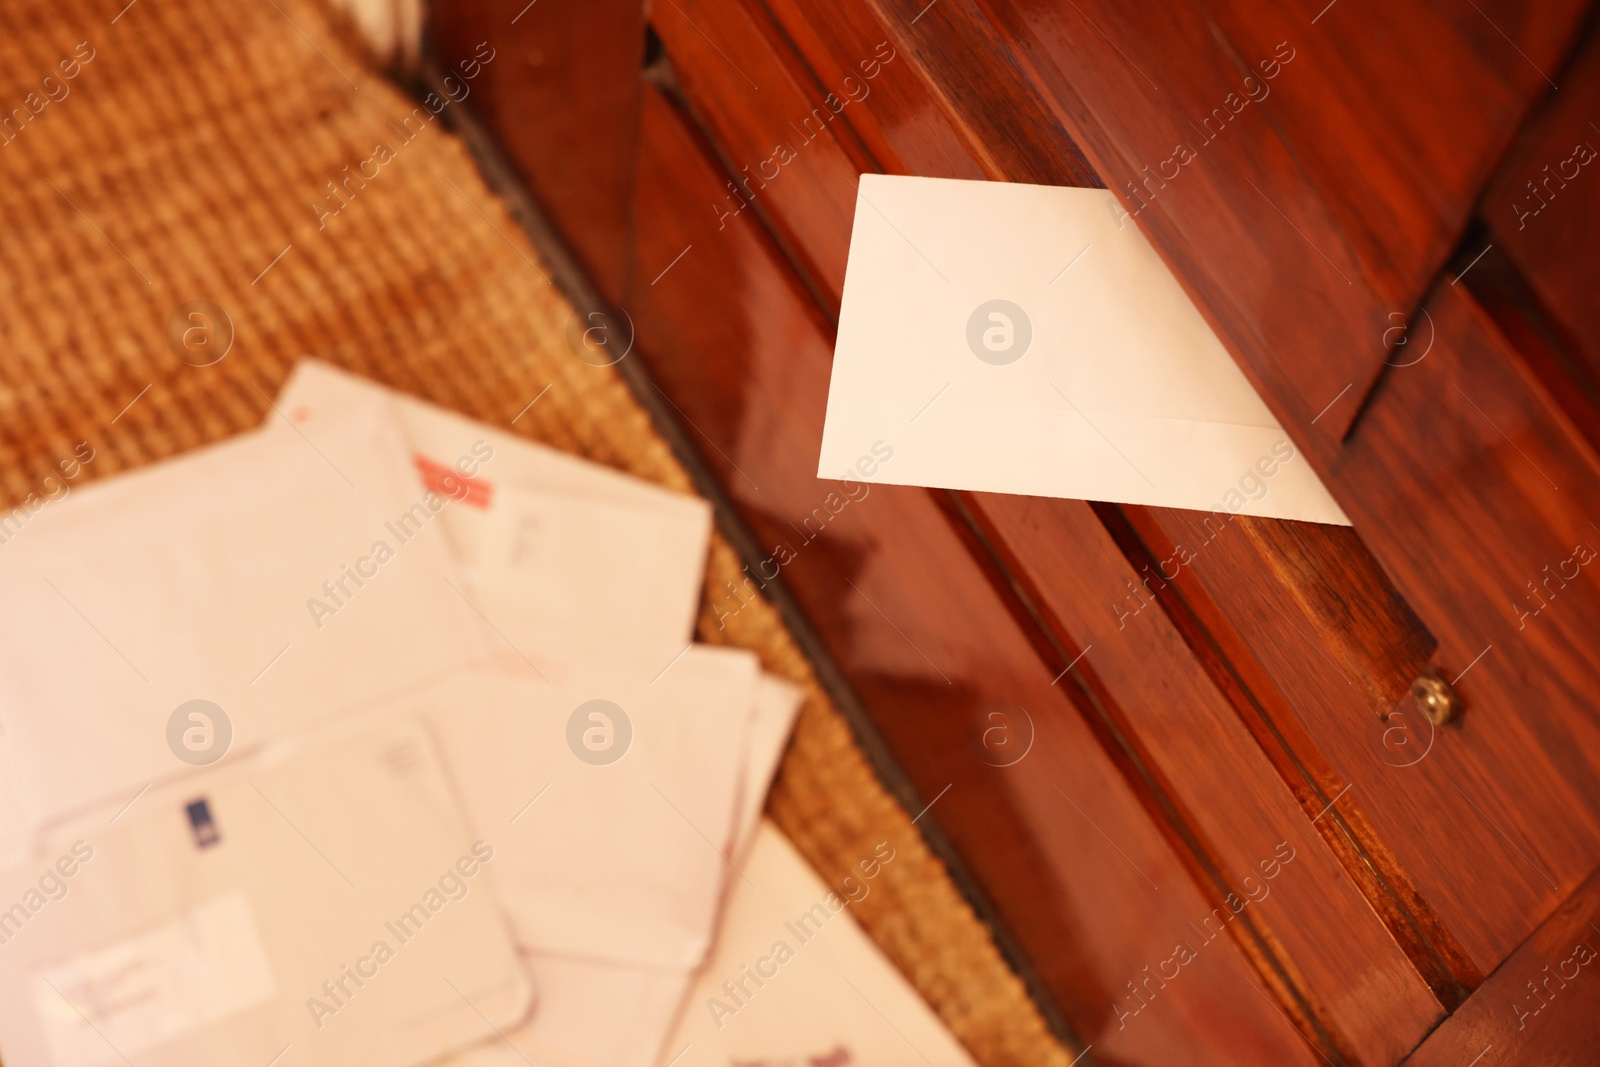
{"x": 1436, "y": 697}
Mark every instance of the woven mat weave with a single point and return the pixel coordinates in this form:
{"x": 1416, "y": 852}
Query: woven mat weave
{"x": 172, "y": 151}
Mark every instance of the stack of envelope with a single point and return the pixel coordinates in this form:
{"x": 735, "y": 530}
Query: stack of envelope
{"x": 379, "y": 736}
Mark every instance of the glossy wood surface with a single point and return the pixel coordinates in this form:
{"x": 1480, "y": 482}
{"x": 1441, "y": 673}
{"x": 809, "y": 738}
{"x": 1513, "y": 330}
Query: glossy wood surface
{"x": 1394, "y": 222}
{"x": 1541, "y": 1007}
{"x": 1179, "y": 727}
{"x": 905, "y": 128}
{"x": 1282, "y": 125}
{"x": 1351, "y": 614}
{"x": 1393, "y": 249}
{"x": 1249, "y": 556}
{"x": 1471, "y": 484}
{"x": 1386, "y": 754}
{"x": 968, "y": 80}
{"x": 1541, "y": 213}
{"x": 1331, "y": 664}
{"x": 565, "y": 79}
{"x": 777, "y": 127}
{"x": 1317, "y": 201}
{"x": 1314, "y": 920}
{"x": 1081, "y": 875}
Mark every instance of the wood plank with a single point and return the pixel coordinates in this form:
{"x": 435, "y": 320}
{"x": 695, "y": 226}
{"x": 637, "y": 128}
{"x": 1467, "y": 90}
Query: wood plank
{"x": 1390, "y": 761}
{"x": 1542, "y": 1006}
{"x": 1558, "y": 357}
{"x": 1308, "y": 329}
{"x": 907, "y": 128}
{"x": 1472, "y": 490}
{"x": 784, "y": 135}
{"x": 1543, "y": 214}
{"x": 747, "y": 366}
{"x": 1232, "y": 799}
{"x": 1080, "y": 875}
{"x": 1382, "y": 662}
{"x": 816, "y": 96}
{"x": 971, "y": 82}
{"x": 1350, "y": 610}
{"x": 1301, "y": 209}
{"x": 1184, "y": 556}
{"x": 562, "y": 96}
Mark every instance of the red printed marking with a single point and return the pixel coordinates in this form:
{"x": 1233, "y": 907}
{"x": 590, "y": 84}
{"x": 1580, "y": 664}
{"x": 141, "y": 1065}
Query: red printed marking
{"x": 449, "y": 482}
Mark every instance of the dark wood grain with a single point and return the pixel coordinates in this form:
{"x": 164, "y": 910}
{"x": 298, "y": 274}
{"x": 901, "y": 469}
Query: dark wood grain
{"x": 1391, "y": 762}
{"x": 1231, "y": 803}
{"x": 1557, "y": 355}
{"x": 1353, "y": 614}
{"x": 1342, "y": 600}
{"x": 1473, "y": 492}
{"x": 1340, "y": 183}
{"x": 1225, "y": 645}
{"x": 971, "y": 82}
{"x": 906, "y": 127}
{"x": 1081, "y": 876}
{"x": 1330, "y": 311}
{"x": 1543, "y": 215}
{"x": 799, "y": 99}
{"x": 783, "y": 135}
{"x": 1252, "y": 697}
{"x": 1541, "y": 1007}
{"x": 562, "y": 96}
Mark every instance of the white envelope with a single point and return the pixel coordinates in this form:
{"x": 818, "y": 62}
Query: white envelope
{"x": 590, "y": 1015}
{"x": 830, "y": 997}
{"x": 549, "y": 543}
{"x": 582, "y": 1001}
{"x": 317, "y": 902}
{"x": 777, "y": 706}
{"x": 618, "y": 861}
{"x": 247, "y": 574}
{"x": 1027, "y": 339}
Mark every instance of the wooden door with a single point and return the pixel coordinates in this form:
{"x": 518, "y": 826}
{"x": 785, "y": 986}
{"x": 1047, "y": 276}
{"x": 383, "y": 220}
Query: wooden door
{"x": 1345, "y": 194}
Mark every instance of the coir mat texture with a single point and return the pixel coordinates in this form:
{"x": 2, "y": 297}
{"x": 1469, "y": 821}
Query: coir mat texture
{"x": 170, "y": 151}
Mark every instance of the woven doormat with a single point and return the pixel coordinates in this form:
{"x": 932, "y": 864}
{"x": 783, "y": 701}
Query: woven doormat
{"x": 170, "y": 151}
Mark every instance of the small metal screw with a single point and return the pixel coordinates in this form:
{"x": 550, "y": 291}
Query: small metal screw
{"x": 1436, "y": 697}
